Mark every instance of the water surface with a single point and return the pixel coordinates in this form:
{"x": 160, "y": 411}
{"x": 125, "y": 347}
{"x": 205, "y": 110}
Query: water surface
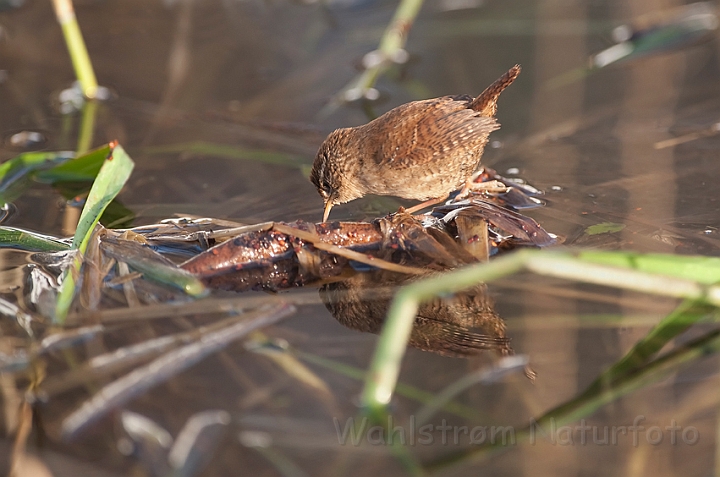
{"x": 258, "y": 76}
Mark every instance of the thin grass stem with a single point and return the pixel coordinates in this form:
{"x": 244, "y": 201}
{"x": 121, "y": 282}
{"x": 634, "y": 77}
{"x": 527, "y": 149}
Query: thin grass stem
{"x": 65, "y": 14}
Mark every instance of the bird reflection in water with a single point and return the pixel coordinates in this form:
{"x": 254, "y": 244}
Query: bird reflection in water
{"x": 460, "y": 326}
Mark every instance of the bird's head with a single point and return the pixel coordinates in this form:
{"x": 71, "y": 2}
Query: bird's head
{"x": 332, "y": 171}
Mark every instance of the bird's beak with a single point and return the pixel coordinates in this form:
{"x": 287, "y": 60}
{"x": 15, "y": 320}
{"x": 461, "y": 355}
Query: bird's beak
{"x": 328, "y": 206}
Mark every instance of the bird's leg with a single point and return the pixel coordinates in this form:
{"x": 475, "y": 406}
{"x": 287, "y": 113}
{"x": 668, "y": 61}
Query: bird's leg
{"x": 425, "y": 204}
{"x": 489, "y": 186}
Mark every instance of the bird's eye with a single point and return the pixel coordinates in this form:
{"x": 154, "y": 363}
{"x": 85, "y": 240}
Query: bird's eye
{"x": 326, "y": 188}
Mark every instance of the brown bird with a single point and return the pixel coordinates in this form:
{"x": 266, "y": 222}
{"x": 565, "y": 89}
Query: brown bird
{"x": 421, "y": 150}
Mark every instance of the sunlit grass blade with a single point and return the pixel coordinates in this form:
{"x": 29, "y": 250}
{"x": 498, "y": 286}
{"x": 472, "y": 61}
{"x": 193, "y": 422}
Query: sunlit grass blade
{"x": 113, "y": 174}
{"x": 25, "y": 163}
{"x": 629, "y": 271}
{"x": 701, "y": 269}
{"x": 51, "y": 167}
{"x": 11, "y": 237}
{"x": 111, "y": 178}
{"x": 76, "y": 47}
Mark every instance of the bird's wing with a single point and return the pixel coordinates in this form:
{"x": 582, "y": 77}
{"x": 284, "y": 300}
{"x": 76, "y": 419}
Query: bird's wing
{"x": 429, "y": 130}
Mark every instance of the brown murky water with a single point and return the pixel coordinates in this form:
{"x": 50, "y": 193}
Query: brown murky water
{"x": 257, "y": 76}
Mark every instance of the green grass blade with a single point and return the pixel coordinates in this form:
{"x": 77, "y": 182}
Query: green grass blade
{"x": 705, "y": 270}
{"x": 11, "y": 237}
{"x": 83, "y": 168}
{"x": 685, "y": 315}
{"x": 153, "y": 265}
{"x": 76, "y": 47}
{"x": 17, "y": 170}
{"x": 113, "y": 174}
{"x": 28, "y": 162}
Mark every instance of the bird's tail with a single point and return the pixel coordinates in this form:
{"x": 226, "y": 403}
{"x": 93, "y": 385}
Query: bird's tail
{"x": 486, "y": 102}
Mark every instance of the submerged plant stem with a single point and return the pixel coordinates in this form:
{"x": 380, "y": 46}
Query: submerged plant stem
{"x": 163, "y": 368}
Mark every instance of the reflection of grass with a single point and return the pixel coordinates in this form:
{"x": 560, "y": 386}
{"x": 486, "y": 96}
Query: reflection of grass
{"x": 232, "y": 152}
{"x": 403, "y": 389}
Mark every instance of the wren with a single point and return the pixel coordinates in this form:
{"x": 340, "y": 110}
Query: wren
{"x": 422, "y": 150}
